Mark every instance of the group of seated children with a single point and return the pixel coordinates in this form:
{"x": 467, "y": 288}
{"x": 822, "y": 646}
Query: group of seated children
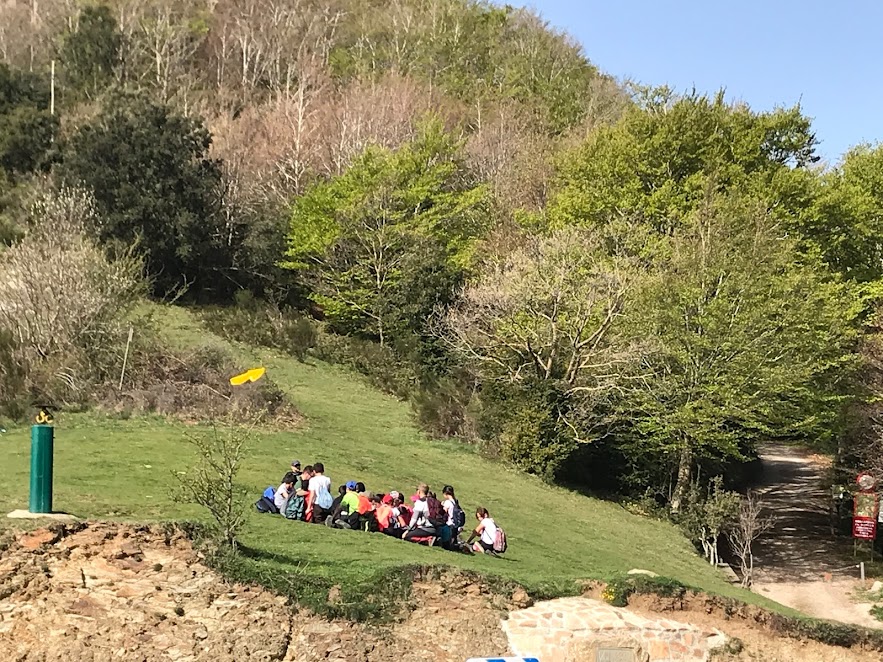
{"x": 305, "y": 495}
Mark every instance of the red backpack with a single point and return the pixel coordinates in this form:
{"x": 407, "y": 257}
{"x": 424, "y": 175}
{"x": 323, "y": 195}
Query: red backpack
{"x": 437, "y": 515}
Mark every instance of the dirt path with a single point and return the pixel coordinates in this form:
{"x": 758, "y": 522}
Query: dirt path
{"x": 791, "y": 561}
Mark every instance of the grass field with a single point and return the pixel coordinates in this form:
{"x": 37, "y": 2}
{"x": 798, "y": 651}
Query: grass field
{"x": 108, "y": 467}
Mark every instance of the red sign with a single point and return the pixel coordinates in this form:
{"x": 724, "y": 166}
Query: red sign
{"x": 864, "y": 528}
{"x": 864, "y": 519}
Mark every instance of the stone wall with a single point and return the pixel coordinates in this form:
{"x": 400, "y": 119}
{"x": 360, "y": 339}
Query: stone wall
{"x": 575, "y": 629}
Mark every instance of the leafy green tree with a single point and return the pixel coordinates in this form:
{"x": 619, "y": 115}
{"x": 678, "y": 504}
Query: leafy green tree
{"x": 91, "y": 52}
{"x": 363, "y": 238}
{"x": 155, "y": 185}
{"x": 661, "y": 160}
{"x": 27, "y": 130}
{"x": 846, "y": 221}
{"x": 748, "y": 339}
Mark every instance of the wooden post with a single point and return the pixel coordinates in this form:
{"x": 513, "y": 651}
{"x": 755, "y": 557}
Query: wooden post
{"x": 52, "y": 89}
{"x": 126, "y": 357}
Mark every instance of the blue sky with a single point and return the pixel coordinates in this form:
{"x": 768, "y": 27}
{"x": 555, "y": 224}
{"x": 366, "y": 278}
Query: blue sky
{"x": 827, "y": 55}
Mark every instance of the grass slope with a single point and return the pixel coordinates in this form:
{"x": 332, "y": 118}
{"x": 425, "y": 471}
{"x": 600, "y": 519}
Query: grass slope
{"x": 109, "y": 467}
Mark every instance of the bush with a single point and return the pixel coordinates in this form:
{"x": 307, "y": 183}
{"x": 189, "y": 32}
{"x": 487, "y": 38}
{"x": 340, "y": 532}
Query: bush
{"x": 381, "y": 364}
{"x": 444, "y": 409}
{"x": 526, "y": 424}
{"x": 262, "y": 324}
{"x": 212, "y": 482}
{"x": 13, "y": 379}
{"x": 193, "y": 385}
{"x": 64, "y": 302}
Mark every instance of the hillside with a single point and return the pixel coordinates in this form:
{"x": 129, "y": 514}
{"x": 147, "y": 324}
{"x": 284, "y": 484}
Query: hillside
{"x": 109, "y": 467}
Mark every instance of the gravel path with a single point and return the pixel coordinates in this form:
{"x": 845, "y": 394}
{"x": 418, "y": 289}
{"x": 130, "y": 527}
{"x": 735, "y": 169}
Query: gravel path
{"x": 791, "y": 561}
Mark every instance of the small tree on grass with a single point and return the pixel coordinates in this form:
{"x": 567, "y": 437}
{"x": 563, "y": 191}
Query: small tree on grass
{"x": 707, "y": 514}
{"x": 748, "y": 527}
{"x": 211, "y": 482}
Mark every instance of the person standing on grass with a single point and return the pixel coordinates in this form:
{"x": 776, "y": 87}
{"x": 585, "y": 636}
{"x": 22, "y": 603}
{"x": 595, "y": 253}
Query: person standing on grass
{"x": 486, "y": 532}
{"x": 420, "y": 527}
{"x": 320, "y": 488}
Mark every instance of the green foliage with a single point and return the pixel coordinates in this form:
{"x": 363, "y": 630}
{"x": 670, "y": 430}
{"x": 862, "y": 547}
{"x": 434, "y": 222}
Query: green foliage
{"x": 90, "y": 53}
{"x": 473, "y": 50}
{"x": 212, "y": 482}
{"x": 27, "y": 130}
{"x": 661, "y": 161}
{"x": 747, "y": 340}
{"x": 377, "y": 241}
{"x": 526, "y": 422}
{"x": 154, "y": 185}
{"x": 706, "y": 513}
{"x": 846, "y": 219}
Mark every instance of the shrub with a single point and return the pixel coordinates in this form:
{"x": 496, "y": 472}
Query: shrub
{"x": 255, "y": 322}
{"x": 193, "y": 385}
{"x": 212, "y": 482}
{"x": 63, "y": 301}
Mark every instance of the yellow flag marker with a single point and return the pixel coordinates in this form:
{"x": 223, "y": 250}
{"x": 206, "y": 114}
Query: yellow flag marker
{"x": 248, "y": 376}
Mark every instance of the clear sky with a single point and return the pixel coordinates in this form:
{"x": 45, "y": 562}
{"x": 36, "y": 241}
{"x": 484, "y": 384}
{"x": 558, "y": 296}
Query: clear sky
{"x": 826, "y": 55}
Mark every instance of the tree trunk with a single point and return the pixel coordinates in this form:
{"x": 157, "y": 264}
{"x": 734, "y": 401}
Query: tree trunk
{"x": 685, "y": 467}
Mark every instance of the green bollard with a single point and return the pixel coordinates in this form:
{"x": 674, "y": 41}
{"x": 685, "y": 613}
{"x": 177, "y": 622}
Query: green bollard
{"x": 42, "y": 443}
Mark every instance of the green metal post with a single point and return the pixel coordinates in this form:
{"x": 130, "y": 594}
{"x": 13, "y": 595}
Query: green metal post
{"x": 42, "y": 443}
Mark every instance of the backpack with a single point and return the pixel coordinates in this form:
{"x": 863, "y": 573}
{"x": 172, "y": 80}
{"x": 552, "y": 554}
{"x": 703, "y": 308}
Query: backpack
{"x": 265, "y": 505}
{"x": 437, "y": 515}
{"x": 500, "y": 544}
{"x": 459, "y": 516}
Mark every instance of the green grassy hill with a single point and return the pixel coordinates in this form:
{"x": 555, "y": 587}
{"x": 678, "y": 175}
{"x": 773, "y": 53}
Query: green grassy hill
{"x": 108, "y": 467}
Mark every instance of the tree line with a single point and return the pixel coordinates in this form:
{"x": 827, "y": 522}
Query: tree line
{"x": 601, "y": 283}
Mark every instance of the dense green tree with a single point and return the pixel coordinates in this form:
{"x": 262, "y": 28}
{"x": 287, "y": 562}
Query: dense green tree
{"x": 27, "y": 130}
{"x": 846, "y": 221}
{"x": 661, "y": 160}
{"x": 371, "y": 239}
{"x": 747, "y": 340}
{"x": 155, "y": 185}
{"x": 91, "y": 52}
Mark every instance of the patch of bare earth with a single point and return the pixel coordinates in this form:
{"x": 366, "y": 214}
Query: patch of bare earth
{"x": 140, "y": 593}
{"x": 752, "y": 631}
{"x": 121, "y": 592}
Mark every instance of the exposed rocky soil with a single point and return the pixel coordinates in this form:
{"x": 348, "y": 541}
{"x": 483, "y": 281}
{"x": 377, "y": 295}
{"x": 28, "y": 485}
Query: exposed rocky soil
{"x": 121, "y": 592}
{"x": 111, "y": 592}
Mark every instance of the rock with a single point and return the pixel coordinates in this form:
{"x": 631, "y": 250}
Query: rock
{"x": 877, "y": 587}
{"x": 128, "y": 550}
{"x": 521, "y": 599}
{"x": 38, "y": 538}
{"x": 638, "y": 571}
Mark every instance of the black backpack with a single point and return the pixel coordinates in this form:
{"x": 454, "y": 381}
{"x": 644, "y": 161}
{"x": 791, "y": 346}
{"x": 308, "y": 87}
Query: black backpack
{"x": 266, "y": 505}
{"x": 459, "y": 516}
